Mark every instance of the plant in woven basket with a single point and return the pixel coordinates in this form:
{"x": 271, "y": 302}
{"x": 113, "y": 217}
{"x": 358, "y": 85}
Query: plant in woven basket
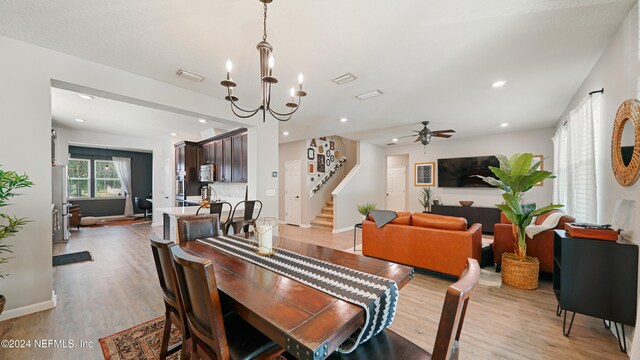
{"x": 427, "y": 194}
{"x": 515, "y": 176}
{"x": 364, "y": 209}
{"x": 10, "y": 181}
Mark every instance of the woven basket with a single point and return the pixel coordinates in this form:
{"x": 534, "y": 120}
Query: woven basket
{"x": 521, "y": 274}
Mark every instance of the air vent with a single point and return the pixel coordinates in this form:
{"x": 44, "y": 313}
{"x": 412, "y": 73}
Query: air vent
{"x": 190, "y": 76}
{"x": 392, "y": 144}
{"x": 346, "y": 78}
{"x": 369, "y": 95}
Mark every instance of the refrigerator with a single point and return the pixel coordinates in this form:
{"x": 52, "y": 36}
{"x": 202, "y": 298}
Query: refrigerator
{"x": 60, "y": 204}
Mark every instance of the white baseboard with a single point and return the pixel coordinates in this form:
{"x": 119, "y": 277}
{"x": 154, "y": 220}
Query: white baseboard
{"x": 305, "y": 226}
{"x": 30, "y": 309}
{"x": 342, "y": 230}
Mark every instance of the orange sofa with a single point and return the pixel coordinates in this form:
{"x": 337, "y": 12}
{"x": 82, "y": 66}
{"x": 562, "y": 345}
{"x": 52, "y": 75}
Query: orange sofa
{"x": 433, "y": 242}
{"x": 541, "y": 246}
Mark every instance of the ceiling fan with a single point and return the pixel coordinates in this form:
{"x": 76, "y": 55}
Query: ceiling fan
{"x": 424, "y": 136}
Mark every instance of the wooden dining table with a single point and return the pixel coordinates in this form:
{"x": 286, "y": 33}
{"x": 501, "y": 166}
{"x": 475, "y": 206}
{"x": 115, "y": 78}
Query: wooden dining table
{"x": 308, "y": 323}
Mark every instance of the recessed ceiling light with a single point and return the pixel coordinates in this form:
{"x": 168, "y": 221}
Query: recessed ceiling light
{"x": 344, "y": 119}
{"x": 173, "y": 134}
{"x": 285, "y": 133}
{"x": 394, "y": 139}
{"x": 499, "y": 83}
{"x": 369, "y": 95}
{"x": 81, "y": 120}
{"x": 504, "y": 124}
{"x": 202, "y": 120}
{"x": 346, "y": 78}
{"x": 86, "y": 97}
{"x": 190, "y": 76}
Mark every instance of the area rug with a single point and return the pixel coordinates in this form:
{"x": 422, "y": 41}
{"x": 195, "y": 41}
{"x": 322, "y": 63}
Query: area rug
{"x": 118, "y": 222}
{"x": 72, "y": 258}
{"x": 139, "y": 342}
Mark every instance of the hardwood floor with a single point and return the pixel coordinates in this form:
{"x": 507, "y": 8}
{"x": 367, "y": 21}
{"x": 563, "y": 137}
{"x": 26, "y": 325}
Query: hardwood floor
{"x": 119, "y": 289}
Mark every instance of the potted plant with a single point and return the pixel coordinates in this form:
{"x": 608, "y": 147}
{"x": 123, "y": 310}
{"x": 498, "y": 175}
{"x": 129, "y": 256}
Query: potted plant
{"x": 364, "y": 209}
{"x": 425, "y": 201}
{"x": 516, "y": 176}
{"x": 10, "y": 181}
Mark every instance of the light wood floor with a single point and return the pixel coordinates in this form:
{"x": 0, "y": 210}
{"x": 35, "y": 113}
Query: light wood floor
{"x": 120, "y": 289}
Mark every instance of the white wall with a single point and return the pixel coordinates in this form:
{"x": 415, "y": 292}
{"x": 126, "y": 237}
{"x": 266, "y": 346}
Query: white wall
{"x": 25, "y": 113}
{"x": 617, "y": 71}
{"x": 366, "y": 182}
{"x": 535, "y": 141}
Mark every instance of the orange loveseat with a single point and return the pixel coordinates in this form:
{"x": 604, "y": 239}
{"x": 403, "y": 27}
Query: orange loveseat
{"x": 433, "y": 242}
{"x": 541, "y": 246}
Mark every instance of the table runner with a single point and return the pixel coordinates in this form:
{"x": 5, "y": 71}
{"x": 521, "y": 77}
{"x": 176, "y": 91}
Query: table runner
{"x": 377, "y": 295}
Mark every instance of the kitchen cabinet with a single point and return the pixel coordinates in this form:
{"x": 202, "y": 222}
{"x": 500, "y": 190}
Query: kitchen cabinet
{"x": 218, "y": 159}
{"x": 226, "y": 160}
{"x": 228, "y": 152}
{"x": 187, "y": 159}
{"x": 239, "y": 158}
{"x": 208, "y": 153}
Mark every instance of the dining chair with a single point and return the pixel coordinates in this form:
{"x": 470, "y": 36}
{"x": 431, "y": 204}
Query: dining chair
{"x": 390, "y": 345}
{"x": 217, "y": 208}
{"x": 174, "y": 311}
{"x": 248, "y": 217}
{"x": 214, "y": 335}
{"x": 143, "y": 204}
{"x": 194, "y": 227}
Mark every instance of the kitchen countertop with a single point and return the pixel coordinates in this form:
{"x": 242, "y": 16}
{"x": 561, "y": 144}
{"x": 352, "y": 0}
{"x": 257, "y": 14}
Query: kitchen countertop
{"x": 191, "y": 210}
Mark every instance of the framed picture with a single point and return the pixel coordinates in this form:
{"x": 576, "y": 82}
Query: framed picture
{"x": 541, "y": 159}
{"x": 321, "y": 163}
{"x": 311, "y": 168}
{"x": 311, "y": 153}
{"x": 424, "y": 174}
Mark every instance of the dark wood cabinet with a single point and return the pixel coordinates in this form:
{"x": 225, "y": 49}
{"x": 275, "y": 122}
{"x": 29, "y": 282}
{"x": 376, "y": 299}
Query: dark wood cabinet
{"x": 239, "y": 158}
{"x": 226, "y": 171}
{"x": 218, "y": 159}
{"x": 487, "y": 216}
{"x": 208, "y": 153}
{"x": 597, "y": 278}
{"x": 187, "y": 168}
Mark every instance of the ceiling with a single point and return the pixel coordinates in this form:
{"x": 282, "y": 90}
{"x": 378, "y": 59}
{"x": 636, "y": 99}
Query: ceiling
{"x": 120, "y": 118}
{"x": 433, "y": 60}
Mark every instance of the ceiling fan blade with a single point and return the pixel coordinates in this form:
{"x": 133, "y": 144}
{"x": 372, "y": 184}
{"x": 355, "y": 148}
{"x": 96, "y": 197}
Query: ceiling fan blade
{"x": 443, "y": 131}
{"x": 418, "y": 139}
{"x": 442, "y": 135}
{"x": 406, "y": 136}
{"x": 416, "y": 131}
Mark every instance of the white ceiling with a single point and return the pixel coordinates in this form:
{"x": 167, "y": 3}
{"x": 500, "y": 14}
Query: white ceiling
{"x": 120, "y": 118}
{"x": 433, "y": 60}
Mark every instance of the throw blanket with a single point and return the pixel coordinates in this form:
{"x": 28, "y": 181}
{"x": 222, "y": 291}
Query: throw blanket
{"x": 377, "y": 295}
{"x": 549, "y": 223}
{"x": 382, "y": 217}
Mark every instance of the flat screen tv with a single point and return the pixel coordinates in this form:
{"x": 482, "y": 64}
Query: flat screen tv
{"x": 457, "y": 172}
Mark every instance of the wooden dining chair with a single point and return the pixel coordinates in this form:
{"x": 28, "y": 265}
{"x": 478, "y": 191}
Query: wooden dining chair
{"x": 390, "y": 345}
{"x": 174, "y": 312}
{"x": 194, "y": 227}
{"x": 248, "y": 217}
{"x": 213, "y": 335}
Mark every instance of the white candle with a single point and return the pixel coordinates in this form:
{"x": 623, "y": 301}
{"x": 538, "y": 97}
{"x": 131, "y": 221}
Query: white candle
{"x": 265, "y": 241}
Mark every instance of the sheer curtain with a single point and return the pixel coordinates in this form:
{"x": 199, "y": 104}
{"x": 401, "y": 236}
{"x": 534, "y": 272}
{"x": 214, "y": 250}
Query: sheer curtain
{"x": 123, "y": 168}
{"x": 575, "y": 161}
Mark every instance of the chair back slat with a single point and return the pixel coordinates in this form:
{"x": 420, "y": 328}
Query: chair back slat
{"x": 198, "y": 227}
{"x": 197, "y": 283}
{"x": 217, "y": 208}
{"x": 454, "y": 310}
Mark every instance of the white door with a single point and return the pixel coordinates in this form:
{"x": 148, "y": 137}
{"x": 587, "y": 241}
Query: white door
{"x": 292, "y": 192}
{"x": 396, "y": 188}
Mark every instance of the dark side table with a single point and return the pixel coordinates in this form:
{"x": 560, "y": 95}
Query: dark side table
{"x": 356, "y": 226}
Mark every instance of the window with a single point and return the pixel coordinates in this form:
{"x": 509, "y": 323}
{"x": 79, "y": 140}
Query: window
{"x": 78, "y": 175}
{"x": 107, "y": 183}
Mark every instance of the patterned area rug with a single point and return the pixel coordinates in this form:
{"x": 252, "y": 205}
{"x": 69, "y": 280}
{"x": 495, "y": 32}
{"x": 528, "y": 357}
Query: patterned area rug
{"x": 139, "y": 342}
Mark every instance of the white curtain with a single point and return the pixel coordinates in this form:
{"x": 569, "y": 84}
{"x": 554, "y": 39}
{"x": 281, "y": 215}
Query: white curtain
{"x": 123, "y": 168}
{"x": 575, "y": 161}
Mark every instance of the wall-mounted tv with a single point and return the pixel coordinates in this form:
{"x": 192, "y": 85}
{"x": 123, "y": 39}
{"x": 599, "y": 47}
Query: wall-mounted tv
{"x": 457, "y": 172}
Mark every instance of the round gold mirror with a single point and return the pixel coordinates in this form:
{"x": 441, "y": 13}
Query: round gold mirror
{"x": 625, "y": 143}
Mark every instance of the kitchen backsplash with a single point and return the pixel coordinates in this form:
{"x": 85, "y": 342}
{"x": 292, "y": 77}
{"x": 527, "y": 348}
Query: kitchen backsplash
{"x": 229, "y": 190}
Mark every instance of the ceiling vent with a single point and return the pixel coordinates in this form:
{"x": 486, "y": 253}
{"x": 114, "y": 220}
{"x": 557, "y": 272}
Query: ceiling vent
{"x": 190, "y": 76}
{"x": 369, "y": 95}
{"x": 346, "y": 78}
{"x": 392, "y": 143}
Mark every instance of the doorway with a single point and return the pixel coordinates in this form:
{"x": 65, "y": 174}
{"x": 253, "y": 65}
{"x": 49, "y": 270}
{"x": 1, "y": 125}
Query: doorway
{"x": 292, "y": 192}
{"x": 396, "y": 188}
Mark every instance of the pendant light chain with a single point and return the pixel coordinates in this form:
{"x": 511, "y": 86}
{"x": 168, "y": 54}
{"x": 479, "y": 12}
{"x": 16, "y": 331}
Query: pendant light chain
{"x": 264, "y": 24}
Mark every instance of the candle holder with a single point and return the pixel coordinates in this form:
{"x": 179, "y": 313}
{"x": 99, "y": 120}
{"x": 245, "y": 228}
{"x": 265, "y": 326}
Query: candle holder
{"x": 264, "y": 228}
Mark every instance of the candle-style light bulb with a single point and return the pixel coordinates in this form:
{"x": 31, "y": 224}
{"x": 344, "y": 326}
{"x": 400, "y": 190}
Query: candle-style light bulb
{"x": 229, "y": 65}
{"x": 272, "y": 62}
{"x": 292, "y": 92}
{"x": 300, "y": 78}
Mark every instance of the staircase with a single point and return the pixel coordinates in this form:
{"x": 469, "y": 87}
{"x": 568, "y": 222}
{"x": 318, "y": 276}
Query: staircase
{"x": 324, "y": 220}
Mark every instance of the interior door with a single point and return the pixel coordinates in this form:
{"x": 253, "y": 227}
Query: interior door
{"x": 293, "y": 192}
{"x": 396, "y": 188}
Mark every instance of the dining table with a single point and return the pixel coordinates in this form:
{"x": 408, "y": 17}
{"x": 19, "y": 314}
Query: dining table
{"x": 310, "y": 324}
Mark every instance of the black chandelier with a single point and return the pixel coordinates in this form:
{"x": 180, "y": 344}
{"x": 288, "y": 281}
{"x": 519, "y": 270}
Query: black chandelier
{"x": 266, "y": 74}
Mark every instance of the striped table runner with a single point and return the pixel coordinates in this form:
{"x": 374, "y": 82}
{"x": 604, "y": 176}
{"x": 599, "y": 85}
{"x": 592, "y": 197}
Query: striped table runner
{"x": 377, "y": 295}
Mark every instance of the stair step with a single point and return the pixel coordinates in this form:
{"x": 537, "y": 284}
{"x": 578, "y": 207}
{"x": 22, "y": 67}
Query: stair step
{"x": 321, "y": 224}
{"x": 327, "y": 217}
{"x": 330, "y": 203}
{"x": 327, "y": 210}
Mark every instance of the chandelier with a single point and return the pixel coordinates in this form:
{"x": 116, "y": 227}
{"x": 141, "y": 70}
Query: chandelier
{"x": 267, "y": 79}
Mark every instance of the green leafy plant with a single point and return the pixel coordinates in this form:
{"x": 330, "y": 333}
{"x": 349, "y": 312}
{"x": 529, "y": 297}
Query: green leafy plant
{"x": 10, "y": 181}
{"x": 517, "y": 175}
{"x": 364, "y": 209}
{"x": 427, "y": 194}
